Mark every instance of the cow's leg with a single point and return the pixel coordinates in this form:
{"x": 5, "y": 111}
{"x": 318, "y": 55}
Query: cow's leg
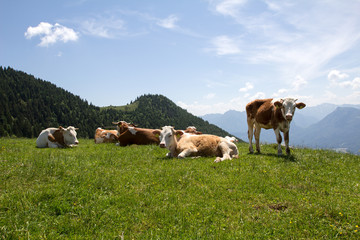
{"x": 257, "y": 137}
{"x": 250, "y": 134}
{"x": 278, "y": 139}
{"x": 225, "y": 151}
{"x": 286, "y": 139}
{"x": 53, "y": 145}
{"x": 234, "y": 152}
{"x": 187, "y": 152}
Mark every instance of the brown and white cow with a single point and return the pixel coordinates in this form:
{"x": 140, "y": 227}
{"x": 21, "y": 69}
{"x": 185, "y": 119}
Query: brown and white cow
{"x": 105, "y": 136}
{"x": 271, "y": 113}
{"x": 57, "y": 137}
{"x": 195, "y": 145}
{"x": 134, "y": 135}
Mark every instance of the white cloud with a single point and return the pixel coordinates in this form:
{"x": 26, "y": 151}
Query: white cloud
{"x": 225, "y": 45}
{"x": 106, "y": 27}
{"x": 50, "y": 34}
{"x": 298, "y": 83}
{"x": 280, "y": 93}
{"x": 258, "y": 95}
{"x": 169, "y": 22}
{"x": 248, "y": 86}
{"x": 210, "y": 96}
{"x": 335, "y": 75}
{"x": 292, "y": 35}
{"x": 337, "y": 79}
{"x": 229, "y": 7}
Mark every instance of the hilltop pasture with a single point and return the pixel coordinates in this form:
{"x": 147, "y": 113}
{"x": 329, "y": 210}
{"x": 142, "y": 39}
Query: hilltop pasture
{"x": 108, "y": 192}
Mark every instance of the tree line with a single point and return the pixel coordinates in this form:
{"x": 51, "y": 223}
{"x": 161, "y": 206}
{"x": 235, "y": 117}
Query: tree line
{"x": 29, "y": 105}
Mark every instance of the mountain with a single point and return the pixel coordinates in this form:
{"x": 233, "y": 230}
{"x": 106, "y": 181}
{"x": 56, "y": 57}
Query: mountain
{"x": 338, "y": 130}
{"x": 28, "y": 105}
{"x": 156, "y": 111}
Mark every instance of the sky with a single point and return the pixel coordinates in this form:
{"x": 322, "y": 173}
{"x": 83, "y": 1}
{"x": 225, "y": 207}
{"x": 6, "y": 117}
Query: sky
{"x": 207, "y": 56}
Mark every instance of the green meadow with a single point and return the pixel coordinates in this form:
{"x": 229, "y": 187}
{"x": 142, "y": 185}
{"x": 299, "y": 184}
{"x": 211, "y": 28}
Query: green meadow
{"x": 108, "y": 192}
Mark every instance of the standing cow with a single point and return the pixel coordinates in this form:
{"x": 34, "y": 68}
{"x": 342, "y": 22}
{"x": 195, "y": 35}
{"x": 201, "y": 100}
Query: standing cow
{"x": 57, "y": 137}
{"x": 271, "y": 113}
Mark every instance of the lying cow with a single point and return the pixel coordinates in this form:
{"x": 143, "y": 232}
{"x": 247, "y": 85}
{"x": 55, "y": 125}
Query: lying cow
{"x": 105, "y": 136}
{"x": 57, "y": 137}
{"x": 195, "y": 145}
{"x": 134, "y": 135}
{"x": 271, "y": 113}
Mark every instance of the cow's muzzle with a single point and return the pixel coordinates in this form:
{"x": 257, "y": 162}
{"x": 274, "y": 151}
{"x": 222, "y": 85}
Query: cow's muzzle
{"x": 289, "y": 117}
{"x": 162, "y": 145}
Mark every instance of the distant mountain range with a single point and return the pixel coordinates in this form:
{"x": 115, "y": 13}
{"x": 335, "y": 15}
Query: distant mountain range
{"x": 324, "y": 126}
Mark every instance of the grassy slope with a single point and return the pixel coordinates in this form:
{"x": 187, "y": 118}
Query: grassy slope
{"x": 104, "y": 191}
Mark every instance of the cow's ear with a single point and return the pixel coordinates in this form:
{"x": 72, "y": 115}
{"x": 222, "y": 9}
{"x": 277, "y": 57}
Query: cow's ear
{"x": 198, "y": 133}
{"x": 156, "y": 132}
{"x": 278, "y": 104}
{"x": 179, "y": 132}
{"x": 61, "y": 128}
{"x": 115, "y": 123}
{"x": 76, "y": 129}
{"x": 300, "y": 105}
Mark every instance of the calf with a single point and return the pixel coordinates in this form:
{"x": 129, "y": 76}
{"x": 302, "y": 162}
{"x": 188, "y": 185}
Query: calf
{"x": 57, "y": 137}
{"x": 134, "y": 135}
{"x": 271, "y": 113}
{"x": 195, "y": 145}
{"x": 105, "y": 136}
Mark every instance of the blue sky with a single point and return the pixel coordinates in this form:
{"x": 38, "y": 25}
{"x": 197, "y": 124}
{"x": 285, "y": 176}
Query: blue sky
{"x": 208, "y": 56}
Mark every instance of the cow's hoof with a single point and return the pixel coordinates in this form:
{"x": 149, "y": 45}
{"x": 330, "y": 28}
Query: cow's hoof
{"x": 218, "y": 159}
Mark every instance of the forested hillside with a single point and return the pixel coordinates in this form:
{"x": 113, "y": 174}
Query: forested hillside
{"x": 29, "y": 104}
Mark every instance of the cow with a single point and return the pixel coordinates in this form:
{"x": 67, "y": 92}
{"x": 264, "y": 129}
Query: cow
{"x": 271, "y": 113}
{"x": 195, "y": 145}
{"x": 128, "y": 134}
{"x": 105, "y": 136}
{"x": 57, "y": 137}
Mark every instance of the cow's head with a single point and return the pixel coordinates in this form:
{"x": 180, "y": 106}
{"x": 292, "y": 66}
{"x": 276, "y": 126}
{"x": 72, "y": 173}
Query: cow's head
{"x": 192, "y": 130}
{"x": 287, "y": 107}
{"x": 122, "y": 126}
{"x": 69, "y": 134}
{"x": 167, "y": 136}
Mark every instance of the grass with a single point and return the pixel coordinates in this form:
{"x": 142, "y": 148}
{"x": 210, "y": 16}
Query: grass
{"x": 126, "y": 108}
{"x": 108, "y": 192}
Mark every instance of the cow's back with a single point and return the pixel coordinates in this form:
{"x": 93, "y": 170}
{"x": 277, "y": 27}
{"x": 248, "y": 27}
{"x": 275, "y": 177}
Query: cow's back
{"x": 42, "y": 140}
{"x": 139, "y": 136}
{"x": 206, "y": 145}
{"x": 261, "y": 111}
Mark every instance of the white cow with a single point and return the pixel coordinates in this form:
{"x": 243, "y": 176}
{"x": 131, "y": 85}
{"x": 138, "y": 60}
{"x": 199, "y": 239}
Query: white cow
{"x": 196, "y": 145}
{"x": 57, "y": 137}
